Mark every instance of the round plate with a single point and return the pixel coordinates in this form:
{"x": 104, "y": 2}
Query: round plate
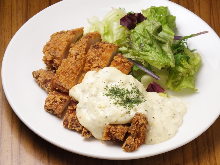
{"x": 24, "y": 55}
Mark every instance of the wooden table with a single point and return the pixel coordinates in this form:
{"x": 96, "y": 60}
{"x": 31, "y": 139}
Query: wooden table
{"x": 20, "y": 146}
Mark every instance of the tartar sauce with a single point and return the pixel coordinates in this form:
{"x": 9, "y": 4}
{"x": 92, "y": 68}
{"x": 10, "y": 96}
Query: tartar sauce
{"x": 108, "y": 96}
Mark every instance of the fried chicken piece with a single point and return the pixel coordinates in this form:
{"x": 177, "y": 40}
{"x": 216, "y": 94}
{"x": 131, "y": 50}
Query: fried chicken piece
{"x": 99, "y": 56}
{"x": 137, "y": 133}
{"x": 122, "y": 64}
{"x": 70, "y": 119}
{"x": 86, "y": 133}
{"x": 69, "y": 72}
{"x": 71, "y": 122}
{"x": 115, "y": 132}
{"x": 56, "y": 103}
{"x": 83, "y": 45}
{"x": 44, "y": 79}
{"x": 57, "y": 48}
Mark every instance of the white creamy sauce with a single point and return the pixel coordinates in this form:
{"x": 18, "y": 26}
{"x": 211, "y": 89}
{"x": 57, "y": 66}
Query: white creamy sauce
{"x": 95, "y": 110}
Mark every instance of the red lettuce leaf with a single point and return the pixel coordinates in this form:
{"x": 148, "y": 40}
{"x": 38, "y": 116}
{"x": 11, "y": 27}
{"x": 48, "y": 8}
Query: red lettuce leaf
{"x": 131, "y": 20}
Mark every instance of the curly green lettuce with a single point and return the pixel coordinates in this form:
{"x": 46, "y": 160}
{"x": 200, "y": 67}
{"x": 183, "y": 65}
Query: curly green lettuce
{"x": 183, "y": 75}
{"x": 146, "y": 46}
{"x": 152, "y": 44}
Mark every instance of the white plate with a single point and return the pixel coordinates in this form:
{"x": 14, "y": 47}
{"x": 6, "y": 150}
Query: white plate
{"x": 24, "y": 55}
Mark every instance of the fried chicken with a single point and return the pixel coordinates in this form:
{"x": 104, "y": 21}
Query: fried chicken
{"x": 56, "y": 103}
{"x": 115, "y": 132}
{"x": 68, "y": 58}
{"x": 99, "y": 56}
{"x": 71, "y": 122}
{"x": 137, "y": 133}
{"x": 83, "y": 45}
{"x": 44, "y": 79}
{"x": 69, "y": 72}
{"x": 86, "y": 133}
{"x": 132, "y": 136}
{"x": 122, "y": 64}
{"x": 57, "y": 48}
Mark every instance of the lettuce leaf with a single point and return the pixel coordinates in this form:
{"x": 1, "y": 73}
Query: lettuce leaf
{"x": 161, "y": 14}
{"x": 152, "y": 44}
{"x": 183, "y": 75}
{"x": 110, "y": 28}
{"x": 146, "y": 46}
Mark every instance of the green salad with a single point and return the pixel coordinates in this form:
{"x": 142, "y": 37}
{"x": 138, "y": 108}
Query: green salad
{"x": 152, "y": 42}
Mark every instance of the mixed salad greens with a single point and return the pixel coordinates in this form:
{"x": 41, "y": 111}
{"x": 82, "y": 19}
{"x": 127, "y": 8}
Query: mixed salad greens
{"x": 148, "y": 38}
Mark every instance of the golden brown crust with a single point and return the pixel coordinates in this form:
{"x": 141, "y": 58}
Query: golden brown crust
{"x": 57, "y": 47}
{"x": 86, "y": 133}
{"x": 71, "y": 122}
{"x": 56, "y": 103}
{"x": 83, "y": 45}
{"x": 137, "y": 133}
{"x": 44, "y": 79}
{"x": 115, "y": 132}
{"x": 99, "y": 56}
{"x": 131, "y": 136}
{"x": 68, "y": 73}
{"x": 122, "y": 64}
{"x": 71, "y": 71}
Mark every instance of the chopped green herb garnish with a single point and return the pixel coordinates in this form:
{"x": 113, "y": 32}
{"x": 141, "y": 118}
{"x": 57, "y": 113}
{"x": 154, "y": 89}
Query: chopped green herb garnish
{"x": 124, "y": 97}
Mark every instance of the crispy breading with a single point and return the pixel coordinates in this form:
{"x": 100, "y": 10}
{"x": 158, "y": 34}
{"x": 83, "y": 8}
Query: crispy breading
{"x": 44, "y": 79}
{"x": 122, "y": 64}
{"x": 71, "y": 122}
{"x": 68, "y": 73}
{"x": 57, "y": 47}
{"x": 132, "y": 136}
{"x": 86, "y": 133}
{"x": 56, "y": 103}
{"x": 115, "y": 132}
{"x": 137, "y": 133}
{"x": 99, "y": 56}
{"x": 83, "y": 45}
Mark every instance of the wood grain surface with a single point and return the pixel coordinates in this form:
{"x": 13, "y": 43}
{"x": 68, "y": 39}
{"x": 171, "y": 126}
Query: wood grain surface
{"x": 20, "y": 146}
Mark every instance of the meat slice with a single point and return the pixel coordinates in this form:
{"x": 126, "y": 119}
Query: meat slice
{"x": 86, "y": 133}
{"x": 83, "y": 45}
{"x": 56, "y": 103}
{"x": 57, "y": 48}
{"x": 44, "y": 79}
{"x": 122, "y": 64}
{"x": 99, "y": 56}
{"x": 71, "y": 122}
{"x": 132, "y": 136}
{"x": 115, "y": 132}
{"x": 137, "y": 133}
{"x": 69, "y": 72}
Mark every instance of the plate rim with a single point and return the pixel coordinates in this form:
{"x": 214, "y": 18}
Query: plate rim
{"x": 128, "y": 157}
